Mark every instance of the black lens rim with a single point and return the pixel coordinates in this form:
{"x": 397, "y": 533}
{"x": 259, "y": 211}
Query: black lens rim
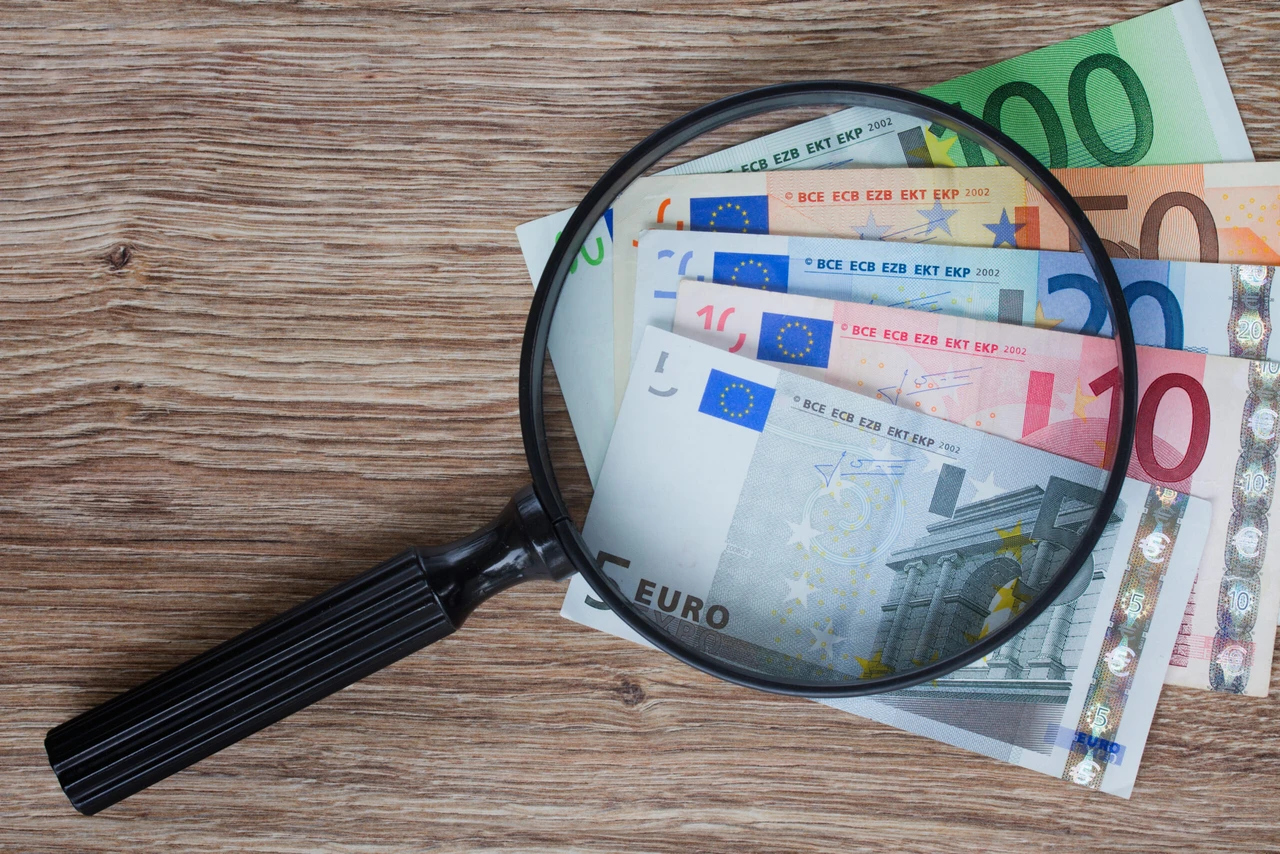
{"x": 725, "y": 111}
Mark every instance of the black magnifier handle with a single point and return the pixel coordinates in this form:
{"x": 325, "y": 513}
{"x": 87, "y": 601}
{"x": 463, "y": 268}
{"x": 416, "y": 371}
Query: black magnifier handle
{"x": 285, "y": 664}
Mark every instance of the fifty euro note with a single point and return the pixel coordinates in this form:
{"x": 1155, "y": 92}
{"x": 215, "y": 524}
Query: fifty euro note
{"x": 1206, "y": 425}
{"x": 797, "y": 529}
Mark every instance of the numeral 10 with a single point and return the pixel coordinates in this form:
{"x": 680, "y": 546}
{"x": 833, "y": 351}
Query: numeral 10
{"x": 1144, "y": 442}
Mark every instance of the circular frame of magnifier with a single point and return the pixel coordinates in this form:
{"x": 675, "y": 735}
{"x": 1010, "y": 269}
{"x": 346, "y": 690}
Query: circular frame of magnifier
{"x": 725, "y": 111}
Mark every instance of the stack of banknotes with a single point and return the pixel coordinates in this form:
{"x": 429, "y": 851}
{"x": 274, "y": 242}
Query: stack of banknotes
{"x": 945, "y": 307}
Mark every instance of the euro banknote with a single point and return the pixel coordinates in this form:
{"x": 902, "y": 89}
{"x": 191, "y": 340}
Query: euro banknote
{"x": 1219, "y": 309}
{"x": 1206, "y": 425}
{"x": 1171, "y": 105}
{"x": 1213, "y": 213}
{"x": 842, "y": 548}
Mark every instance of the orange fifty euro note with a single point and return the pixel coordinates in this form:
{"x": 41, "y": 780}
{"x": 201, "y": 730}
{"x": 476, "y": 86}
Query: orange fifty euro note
{"x": 1206, "y": 425}
{"x": 1227, "y": 212}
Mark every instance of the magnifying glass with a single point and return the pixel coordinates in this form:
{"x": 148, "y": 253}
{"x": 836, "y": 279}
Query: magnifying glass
{"x": 424, "y": 594}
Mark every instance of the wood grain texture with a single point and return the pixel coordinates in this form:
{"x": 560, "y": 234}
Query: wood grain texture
{"x": 260, "y": 310}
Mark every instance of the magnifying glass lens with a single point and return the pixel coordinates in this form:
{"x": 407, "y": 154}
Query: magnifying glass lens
{"x": 809, "y": 447}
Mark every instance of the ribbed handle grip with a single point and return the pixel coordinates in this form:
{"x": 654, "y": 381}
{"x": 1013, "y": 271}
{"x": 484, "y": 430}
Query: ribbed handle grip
{"x": 247, "y": 683}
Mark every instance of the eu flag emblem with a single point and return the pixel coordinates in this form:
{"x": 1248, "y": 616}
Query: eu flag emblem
{"x": 739, "y": 214}
{"x": 794, "y": 340}
{"x": 763, "y": 272}
{"x": 736, "y": 400}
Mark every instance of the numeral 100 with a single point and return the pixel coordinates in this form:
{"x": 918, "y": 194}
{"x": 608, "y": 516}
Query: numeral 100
{"x": 1081, "y": 115}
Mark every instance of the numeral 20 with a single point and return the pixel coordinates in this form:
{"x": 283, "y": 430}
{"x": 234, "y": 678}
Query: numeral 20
{"x": 1167, "y": 301}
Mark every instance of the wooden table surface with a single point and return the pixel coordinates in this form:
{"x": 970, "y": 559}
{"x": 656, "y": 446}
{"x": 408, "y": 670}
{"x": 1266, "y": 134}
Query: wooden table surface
{"x": 259, "y": 323}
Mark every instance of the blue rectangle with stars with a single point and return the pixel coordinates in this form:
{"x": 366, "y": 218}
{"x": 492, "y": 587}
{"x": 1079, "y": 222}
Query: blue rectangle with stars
{"x": 736, "y": 400}
{"x": 736, "y": 214}
{"x": 792, "y": 340}
{"x": 751, "y": 270}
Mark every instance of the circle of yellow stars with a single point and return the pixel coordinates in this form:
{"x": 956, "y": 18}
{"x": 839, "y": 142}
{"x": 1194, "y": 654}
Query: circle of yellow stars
{"x": 751, "y": 262}
{"x": 746, "y": 220}
{"x": 724, "y": 404}
{"x": 786, "y": 351}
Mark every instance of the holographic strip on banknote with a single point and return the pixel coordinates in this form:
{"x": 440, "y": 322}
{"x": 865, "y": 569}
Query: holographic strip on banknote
{"x": 1232, "y": 657}
{"x": 1126, "y": 634}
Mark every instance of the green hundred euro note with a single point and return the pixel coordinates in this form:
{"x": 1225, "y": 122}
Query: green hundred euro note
{"x": 1150, "y": 90}
{"x": 1119, "y": 96}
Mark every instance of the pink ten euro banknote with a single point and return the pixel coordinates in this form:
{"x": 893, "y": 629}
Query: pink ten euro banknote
{"x": 1207, "y": 425}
